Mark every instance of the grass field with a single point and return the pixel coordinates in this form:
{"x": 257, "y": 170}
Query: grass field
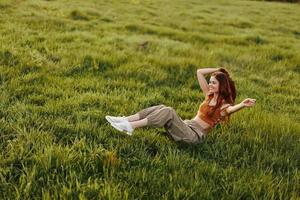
{"x": 64, "y": 65}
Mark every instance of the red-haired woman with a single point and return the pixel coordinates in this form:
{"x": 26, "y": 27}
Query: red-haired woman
{"x": 218, "y": 105}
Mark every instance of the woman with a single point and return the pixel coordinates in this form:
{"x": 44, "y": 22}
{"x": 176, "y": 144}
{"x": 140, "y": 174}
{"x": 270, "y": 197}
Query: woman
{"x": 218, "y": 105}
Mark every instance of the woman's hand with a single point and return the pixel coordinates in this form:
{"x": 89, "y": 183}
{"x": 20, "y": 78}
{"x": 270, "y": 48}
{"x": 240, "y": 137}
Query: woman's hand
{"x": 248, "y": 102}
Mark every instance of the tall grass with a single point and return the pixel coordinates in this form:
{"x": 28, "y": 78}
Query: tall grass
{"x": 64, "y": 65}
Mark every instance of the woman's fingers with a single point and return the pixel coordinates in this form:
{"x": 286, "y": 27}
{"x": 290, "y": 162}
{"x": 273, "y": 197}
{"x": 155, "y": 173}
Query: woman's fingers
{"x": 249, "y": 102}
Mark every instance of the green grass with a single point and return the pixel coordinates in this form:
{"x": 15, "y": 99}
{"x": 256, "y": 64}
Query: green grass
{"x": 64, "y": 65}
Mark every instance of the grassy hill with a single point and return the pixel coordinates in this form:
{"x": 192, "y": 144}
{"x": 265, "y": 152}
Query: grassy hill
{"x": 64, "y": 65}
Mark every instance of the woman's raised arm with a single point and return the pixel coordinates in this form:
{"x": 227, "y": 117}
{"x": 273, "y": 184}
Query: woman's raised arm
{"x": 201, "y": 79}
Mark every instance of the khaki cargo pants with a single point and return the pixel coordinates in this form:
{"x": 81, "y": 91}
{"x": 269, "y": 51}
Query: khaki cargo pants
{"x": 188, "y": 131}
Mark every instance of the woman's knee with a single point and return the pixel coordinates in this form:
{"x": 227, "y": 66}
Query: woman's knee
{"x": 164, "y": 106}
{"x": 169, "y": 110}
{"x": 161, "y": 106}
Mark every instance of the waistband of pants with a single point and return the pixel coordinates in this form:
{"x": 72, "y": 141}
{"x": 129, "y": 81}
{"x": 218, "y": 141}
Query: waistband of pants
{"x": 197, "y": 128}
{"x": 197, "y": 133}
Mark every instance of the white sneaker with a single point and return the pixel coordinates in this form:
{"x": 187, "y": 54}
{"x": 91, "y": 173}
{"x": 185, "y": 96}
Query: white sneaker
{"x": 116, "y": 126}
{"x": 112, "y": 119}
{"x": 123, "y": 126}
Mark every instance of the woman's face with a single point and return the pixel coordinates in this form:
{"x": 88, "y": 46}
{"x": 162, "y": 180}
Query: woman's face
{"x": 213, "y": 85}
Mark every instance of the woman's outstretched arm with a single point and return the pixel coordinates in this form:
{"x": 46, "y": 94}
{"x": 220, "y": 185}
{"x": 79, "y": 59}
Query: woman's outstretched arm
{"x": 245, "y": 103}
{"x": 201, "y": 79}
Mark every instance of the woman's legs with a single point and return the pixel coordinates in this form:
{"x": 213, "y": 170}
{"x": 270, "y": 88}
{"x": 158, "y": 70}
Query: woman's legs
{"x": 157, "y": 114}
{"x": 161, "y": 116}
{"x": 143, "y": 113}
{"x": 139, "y": 123}
{"x": 139, "y": 119}
{"x": 134, "y": 117}
{"x": 167, "y": 117}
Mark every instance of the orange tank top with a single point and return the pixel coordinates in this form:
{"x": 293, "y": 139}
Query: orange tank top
{"x": 215, "y": 117}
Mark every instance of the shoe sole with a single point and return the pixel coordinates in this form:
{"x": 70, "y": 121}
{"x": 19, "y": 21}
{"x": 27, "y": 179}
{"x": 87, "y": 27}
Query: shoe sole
{"x": 112, "y": 123}
{"x": 108, "y": 119}
{"x": 119, "y": 129}
{"x": 128, "y": 133}
{"x": 116, "y": 127}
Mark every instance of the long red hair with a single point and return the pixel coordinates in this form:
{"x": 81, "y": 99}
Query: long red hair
{"x": 227, "y": 91}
